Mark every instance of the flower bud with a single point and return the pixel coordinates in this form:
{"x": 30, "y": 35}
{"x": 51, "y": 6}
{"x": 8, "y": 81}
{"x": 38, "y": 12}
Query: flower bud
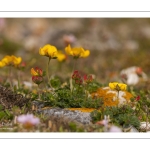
{"x": 76, "y": 75}
{"x": 37, "y": 79}
{"x": 36, "y": 71}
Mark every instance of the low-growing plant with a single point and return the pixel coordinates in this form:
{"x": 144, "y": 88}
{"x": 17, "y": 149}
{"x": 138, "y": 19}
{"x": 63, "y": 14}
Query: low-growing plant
{"x": 122, "y": 116}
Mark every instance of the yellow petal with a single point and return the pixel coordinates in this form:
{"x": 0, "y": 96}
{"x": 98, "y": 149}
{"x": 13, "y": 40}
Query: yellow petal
{"x": 16, "y": 60}
{"x": 60, "y": 56}
{"x": 7, "y": 60}
{"x": 77, "y": 51}
{"x": 122, "y": 86}
{"x": 2, "y": 64}
{"x": 52, "y": 52}
{"x": 112, "y": 85}
{"x": 44, "y": 50}
{"x": 68, "y": 50}
{"x": 33, "y": 72}
{"x": 86, "y": 53}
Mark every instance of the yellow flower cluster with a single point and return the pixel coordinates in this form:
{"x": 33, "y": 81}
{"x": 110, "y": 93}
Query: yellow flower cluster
{"x": 52, "y": 52}
{"x": 10, "y": 60}
{"x": 77, "y": 52}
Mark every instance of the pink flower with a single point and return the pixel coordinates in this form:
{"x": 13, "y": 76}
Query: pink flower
{"x": 28, "y": 120}
{"x": 69, "y": 39}
{"x": 115, "y": 129}
{"x": 102, "y": 122}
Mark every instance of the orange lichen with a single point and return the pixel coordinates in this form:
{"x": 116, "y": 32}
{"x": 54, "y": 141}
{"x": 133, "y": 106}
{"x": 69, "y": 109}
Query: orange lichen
{"x": 82, "y": 109}
{"x": 127, "y": 96}
{"x": 111, "y": 98}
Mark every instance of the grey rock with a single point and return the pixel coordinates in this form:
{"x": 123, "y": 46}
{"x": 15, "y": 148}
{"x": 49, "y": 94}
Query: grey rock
{"x": 81, "y": 117}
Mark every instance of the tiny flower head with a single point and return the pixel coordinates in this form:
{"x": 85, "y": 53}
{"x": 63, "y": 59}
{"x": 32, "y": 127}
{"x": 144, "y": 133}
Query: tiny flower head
{"x": 137, "y": 98}
{"x": 37, "y": 79}
{"x": 118, "y": 86}
{"x": 61, "y": 57}
{"x": 77, "y": 52}
{"x": 87, "y": 78}
{"x": 28, "y": 120}
{"x": 49, "y": 51}
{"x": 36, "y": 71}
{"x": 79, "y": 81}
{"x": 76, "y": 75}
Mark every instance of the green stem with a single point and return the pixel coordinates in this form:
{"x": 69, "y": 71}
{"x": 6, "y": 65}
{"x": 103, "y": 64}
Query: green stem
{"x": 19, "y": 79}
{"x": 39, "y": 95}
{"x": 10, "y": 77}
{"x": 118, "y": 94}
{"x": 47, "y": 71}
{"x": 71, "y": 84}
{"x": 86, "y": 92}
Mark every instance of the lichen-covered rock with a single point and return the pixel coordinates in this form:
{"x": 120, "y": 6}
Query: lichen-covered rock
{"x": 72, "y": 115}
{"x": 112, "y": 97}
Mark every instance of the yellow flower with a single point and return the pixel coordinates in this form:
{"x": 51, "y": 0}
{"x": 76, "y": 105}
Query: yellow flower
{"x": 11, "y": 60}
{"x": 118, "y": 86}
{"x": 61, "y": 57}
{"x": 77, "y": 52}
{"x": 49, "y": 51}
